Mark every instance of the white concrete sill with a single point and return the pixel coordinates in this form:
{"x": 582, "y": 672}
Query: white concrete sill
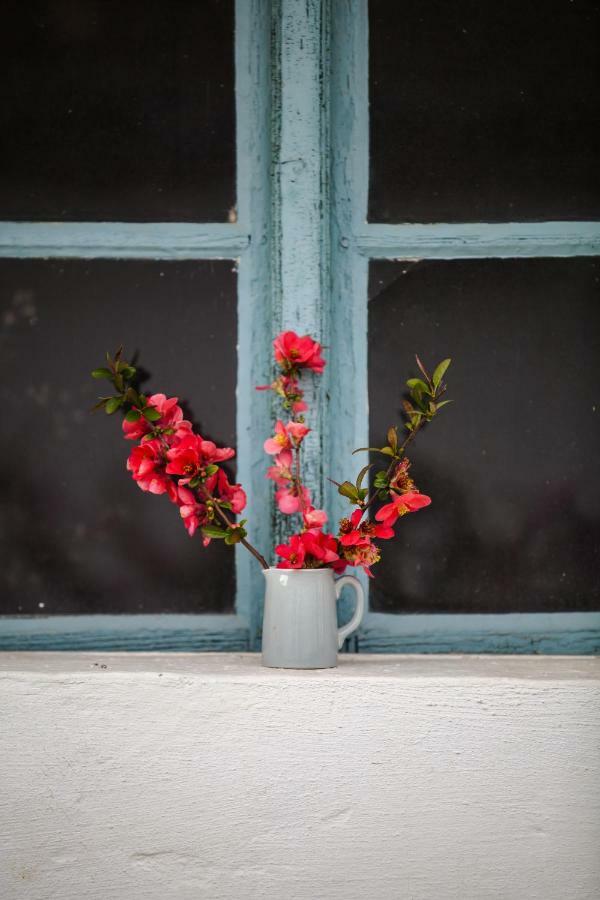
{"x": 206, "y": 776}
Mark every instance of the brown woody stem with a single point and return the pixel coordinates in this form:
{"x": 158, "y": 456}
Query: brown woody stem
{"x": 227, "y": 521}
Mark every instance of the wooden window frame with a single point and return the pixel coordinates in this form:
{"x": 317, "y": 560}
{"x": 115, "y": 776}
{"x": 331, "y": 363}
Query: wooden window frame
{"x": 302, "y": 245}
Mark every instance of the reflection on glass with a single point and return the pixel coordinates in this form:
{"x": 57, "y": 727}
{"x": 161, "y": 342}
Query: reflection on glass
{"x": 118, "y": 111}
{"x": 513, "y": 465}
{"x": 484, "y": 112}
{"x": 76, "y": 534}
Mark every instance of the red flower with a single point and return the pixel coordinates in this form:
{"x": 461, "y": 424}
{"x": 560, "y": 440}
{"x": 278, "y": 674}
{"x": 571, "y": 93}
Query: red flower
{"x": 308, "y": 550}
{"x": 352, "y": 532}
{"x": 400, "y": 505}
{"x": 192, "y": 454}
{"x": 294, "y": 352}
{"x": 147, "y": 465}
{"x": 219, "y": 485}
{"x": 293, "y": 553}
{"x": 321, "y": 546}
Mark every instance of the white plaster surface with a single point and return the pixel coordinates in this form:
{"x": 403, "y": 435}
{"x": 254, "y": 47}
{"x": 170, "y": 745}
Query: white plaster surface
{"x": 151, "y": 777}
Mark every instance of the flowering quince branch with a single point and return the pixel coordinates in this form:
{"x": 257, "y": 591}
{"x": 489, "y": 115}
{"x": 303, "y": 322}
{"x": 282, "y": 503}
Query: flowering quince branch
{"x": 354, "y": 545}
{"x": 172, "y": 459}
{"x": 394, "y": 483}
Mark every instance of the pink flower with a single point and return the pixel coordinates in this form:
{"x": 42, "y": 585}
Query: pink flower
{"x": 219, "y": 485}
{"x": 400, "y": 505}
{"x": 280, "y": 440}
{"x": 297, "y": 432}
{"x": 292, "y": 553}
{"x": 286, "y": 437}
{"x": 171, "y": 416}
{"x": 363, "y": 555}
{"x": 288, "y": 499}
{"x": 281, "y": 472}
{"x": 192, "y": 454}
{"x": 294, "y": 352}
{"x": 287, "y": 388}
{"x": 314, "y": 518}
{"x": 192, "y": 512}
{"x": 146, "y": 463}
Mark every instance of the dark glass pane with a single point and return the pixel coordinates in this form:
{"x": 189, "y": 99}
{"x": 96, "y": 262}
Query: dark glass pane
{"x": 76, "y": 533}
{"x": 513, "y": 466}
{"x": 117, "y": 111}
{"x": 484, "y": 112}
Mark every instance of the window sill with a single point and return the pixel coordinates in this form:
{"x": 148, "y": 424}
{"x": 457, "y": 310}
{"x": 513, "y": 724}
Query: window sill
{"x": 207, "y": 776}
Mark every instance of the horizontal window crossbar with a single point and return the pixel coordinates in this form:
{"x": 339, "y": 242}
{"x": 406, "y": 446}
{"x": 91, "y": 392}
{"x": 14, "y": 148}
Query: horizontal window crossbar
{"x": 568, "y": 633}
{"x": 172, "y": 632}
{"x": 122, "y": 240}
{"x": 472, "y": 240}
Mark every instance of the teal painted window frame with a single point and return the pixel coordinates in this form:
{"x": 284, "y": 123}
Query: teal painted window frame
{"x": 302, "y": 245}
{"x": 248, "y": 243}
{"x": 354, "y": 242}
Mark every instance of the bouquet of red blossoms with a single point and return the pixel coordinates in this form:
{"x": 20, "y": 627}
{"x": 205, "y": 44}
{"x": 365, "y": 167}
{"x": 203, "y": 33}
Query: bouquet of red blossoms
{"x": 171, "y": 458}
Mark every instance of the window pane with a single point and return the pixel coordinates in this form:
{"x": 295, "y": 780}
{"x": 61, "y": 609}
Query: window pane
{"x": 513, "y": 465}
{"x": 118, "y": 111}
{"x": 484, "y": 112}
{"x": 76, "y": 533}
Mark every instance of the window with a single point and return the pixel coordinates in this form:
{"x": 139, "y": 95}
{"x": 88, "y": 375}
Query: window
{"x": 265, "y": 164}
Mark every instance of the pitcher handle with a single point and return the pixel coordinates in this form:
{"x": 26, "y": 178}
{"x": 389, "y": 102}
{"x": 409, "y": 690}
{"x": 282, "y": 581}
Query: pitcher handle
{"x": 359, "y": 612}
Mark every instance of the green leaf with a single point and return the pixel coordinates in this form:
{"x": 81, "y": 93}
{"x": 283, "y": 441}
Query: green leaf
{"x": 362, "y": 493}
{"x": 347, "y": 489}
{"x": 133, "y": 415}
{"x": 440, "y": 371}
{"x": 387, "y": 451}
{"x": 112, "y": 405}
{"x": 419, "y": 384}
{"x": 128, "y": 372}
{"x": 235, "y": 535}
{"x": 362, "y": 474}
{"x": 212, "y": 469}
{"x": 381, "y": 480}
{"x": 444, "y": 403}
{"x": 151, "y": 414}
{"x": 101, "y": 373}
{"x": 366, "y": 450}
{"x": 213, "y": 531}
{"x": 392, "y": 438}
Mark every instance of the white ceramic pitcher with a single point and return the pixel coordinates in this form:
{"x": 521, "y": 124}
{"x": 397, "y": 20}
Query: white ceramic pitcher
{"x": 300, "y": 629}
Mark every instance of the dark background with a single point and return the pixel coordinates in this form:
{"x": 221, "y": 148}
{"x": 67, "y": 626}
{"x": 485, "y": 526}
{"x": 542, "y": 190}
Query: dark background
{"x": 512, "y": 465}
{"x": 484, "y": 111}
{"x": 76, "y": 533}
{"x": 118, "y": 111}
